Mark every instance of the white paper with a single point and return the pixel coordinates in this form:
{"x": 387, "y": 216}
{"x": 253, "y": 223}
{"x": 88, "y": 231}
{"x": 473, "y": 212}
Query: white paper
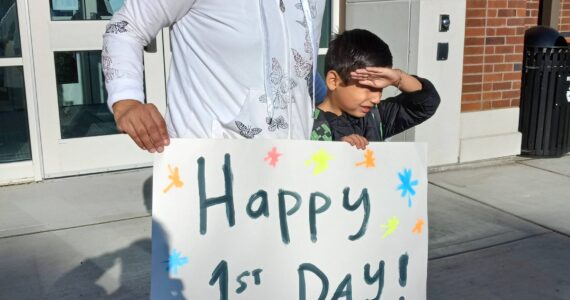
{"x": 259, "y": 264}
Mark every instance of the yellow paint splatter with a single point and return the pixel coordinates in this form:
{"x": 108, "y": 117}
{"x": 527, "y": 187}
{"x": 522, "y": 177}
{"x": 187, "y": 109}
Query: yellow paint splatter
{"x": 391, "y": 226}
{"x": 419, "y": 226}
{"x": 369, "y": 160}
{"x": 174, "y": 179}
{"x": 321, "y": 161}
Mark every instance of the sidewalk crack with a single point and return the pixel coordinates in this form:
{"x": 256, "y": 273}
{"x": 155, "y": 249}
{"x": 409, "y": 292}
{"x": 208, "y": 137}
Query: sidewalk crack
{"x": 543, "y": 169}
{"x": 500, "y": 209}
{"x": 488, "y": 247}
{"x": 73, "y": 227}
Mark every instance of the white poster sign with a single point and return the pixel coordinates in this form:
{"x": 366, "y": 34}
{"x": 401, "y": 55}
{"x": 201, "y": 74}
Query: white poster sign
{"x": 269, "y": 219}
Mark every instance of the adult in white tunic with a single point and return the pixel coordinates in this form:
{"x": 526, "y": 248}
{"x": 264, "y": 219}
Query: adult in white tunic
{"x": 240, "y": 68}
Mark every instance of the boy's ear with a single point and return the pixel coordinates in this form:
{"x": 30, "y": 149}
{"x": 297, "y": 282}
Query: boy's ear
{"x": 332, "y": 80}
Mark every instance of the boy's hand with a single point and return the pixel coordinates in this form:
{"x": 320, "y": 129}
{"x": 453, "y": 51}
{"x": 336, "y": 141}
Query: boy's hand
{"x": 380, "y": 78}
{"x": 356, "y": 140}
{"x": 143, "y": 123}
{"x": 377, "y": 77}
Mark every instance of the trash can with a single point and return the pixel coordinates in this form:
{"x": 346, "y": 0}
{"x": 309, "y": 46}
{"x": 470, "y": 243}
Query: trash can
{"x": 545, "y": 95}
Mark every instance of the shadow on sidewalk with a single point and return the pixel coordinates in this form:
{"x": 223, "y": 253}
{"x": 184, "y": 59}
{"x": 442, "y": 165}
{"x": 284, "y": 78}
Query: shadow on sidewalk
{"x": 133, "y": 262}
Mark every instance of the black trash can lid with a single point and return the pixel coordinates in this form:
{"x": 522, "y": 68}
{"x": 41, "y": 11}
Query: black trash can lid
{"x": 544, "y": 36}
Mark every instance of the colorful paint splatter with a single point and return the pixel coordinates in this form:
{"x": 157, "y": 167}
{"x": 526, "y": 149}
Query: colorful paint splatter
{"x": 418, "y": 228}
{"x": 320, "y": 160}
{"x": 273, "y": 157}
{"x": 390, "y": 226}
{"x": 407, "y": 185}
{"x": 369, "y": 160}
{"x": 175, "y": 180}
{"x": 175, "y": 261}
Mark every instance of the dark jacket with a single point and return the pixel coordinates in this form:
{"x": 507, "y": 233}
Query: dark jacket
{"x": 392, "y": 116}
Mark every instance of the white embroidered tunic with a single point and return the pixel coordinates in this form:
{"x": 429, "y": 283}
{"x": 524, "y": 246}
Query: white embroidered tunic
{"x": 240, "y": 68}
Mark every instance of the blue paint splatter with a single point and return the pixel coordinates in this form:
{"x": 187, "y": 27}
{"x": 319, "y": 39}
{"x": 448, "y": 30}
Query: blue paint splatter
{"x": 175, "y": 261}
{"x": 407, "y": 186}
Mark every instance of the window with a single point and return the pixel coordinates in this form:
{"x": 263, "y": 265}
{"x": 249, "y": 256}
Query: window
{"x": 81, "y": 95}
{"x": 331, "y": 21}
{"x": 76, "y": 10}
{"x": 14, "y": 131}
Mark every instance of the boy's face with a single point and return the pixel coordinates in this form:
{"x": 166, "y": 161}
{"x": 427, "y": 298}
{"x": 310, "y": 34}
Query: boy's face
{"x": 351, "y": 97}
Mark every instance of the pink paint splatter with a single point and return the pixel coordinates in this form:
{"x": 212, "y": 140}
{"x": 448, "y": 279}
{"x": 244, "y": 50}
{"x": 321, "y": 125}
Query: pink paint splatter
{"x": 273, "y": 157}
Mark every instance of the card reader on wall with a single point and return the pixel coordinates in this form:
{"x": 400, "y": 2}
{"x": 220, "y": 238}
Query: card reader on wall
{"x": 442, "y": 51}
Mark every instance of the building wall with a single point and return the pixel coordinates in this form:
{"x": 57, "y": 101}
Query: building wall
{"x": 411, "y": 28}
{"x": 494, "y": 36}
{"x": 441, "y": 132}
{"x": 564, "y": 25}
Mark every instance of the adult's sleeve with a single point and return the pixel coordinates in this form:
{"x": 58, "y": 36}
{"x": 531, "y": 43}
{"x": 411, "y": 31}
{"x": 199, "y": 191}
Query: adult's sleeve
{"x": 408, "y": 109}
{"x": 130, "y": 29}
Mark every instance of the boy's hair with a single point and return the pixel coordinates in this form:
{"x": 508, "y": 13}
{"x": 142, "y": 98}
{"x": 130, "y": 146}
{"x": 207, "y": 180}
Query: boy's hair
{"x": 356, "y": 49}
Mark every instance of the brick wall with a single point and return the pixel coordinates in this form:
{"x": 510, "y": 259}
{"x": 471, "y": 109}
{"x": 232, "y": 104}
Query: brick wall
{"x": 494, "y": 37}
{"x": 564, "y": 26}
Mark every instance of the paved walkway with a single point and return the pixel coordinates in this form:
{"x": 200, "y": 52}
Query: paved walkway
{"x": 500, "y": 231}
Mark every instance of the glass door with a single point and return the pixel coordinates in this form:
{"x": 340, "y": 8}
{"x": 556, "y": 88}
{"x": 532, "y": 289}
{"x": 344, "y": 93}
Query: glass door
{"x": 17, "y": 133}
{"x": 78, "y": 133}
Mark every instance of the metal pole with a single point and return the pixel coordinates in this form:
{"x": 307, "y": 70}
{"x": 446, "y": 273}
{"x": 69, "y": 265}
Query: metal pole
{"x": 550, "y": 13}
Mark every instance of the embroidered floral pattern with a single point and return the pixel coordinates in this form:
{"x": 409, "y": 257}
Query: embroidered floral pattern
{"x": 304, "y": 21}
{"x": 276, "y": 123}
{"x": 308, "y": 46}
{"x": 247, "y": 131}
{"x": 303, "y": 66}
{"x": 107, "y": 66}
{"x": 280, "y": 86}
{"x": 117, "y": 27}
{"x": 312, "y": 8}
{"x": 304, "y": 69}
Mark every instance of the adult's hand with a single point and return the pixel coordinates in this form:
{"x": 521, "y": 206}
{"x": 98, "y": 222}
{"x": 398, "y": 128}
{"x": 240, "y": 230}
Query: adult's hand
{"x": 143, "y": 123}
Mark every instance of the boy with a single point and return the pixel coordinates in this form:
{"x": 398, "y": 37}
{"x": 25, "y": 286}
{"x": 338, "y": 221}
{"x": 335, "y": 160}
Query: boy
{"x": 358, "y": 66}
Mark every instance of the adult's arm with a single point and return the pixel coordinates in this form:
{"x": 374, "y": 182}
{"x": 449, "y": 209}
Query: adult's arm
{"x": 130, "y": 29}
{"x": 408, "y": 109}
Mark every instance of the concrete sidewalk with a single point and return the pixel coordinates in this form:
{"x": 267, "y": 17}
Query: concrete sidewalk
{"x": 499, "y": 231}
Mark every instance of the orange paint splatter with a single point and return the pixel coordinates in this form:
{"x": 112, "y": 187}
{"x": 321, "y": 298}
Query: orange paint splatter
{"x": 174, "y": 179}
{"x": 419, "y": 226}
{"x": 369, "y": 160}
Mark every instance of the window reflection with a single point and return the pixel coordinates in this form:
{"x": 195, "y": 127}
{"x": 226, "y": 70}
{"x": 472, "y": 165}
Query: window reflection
{"x": 73, "y": 10}
{"x": 326, "y": 32}
{"x": 14, "y": 133}
{"x": 82, "y": 96}
{"x": 9, "y": 30}
{"x": 326, "y": 29}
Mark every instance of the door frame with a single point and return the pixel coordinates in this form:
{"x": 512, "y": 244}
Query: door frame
{"x": 75, "y": 156}
{"x": 29, "y": 170}
{"x": 35, "y": 169}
